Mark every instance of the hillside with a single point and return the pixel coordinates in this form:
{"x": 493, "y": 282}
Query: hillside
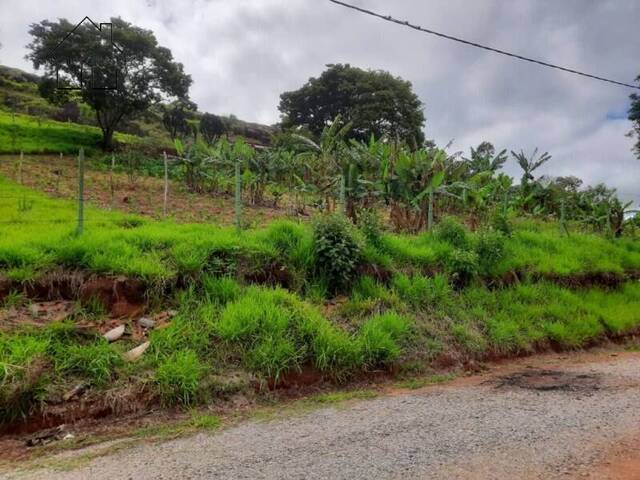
{"x": 42, "y": 127}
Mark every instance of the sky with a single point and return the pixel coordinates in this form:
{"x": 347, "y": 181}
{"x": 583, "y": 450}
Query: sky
{"x": 242, "y": 54}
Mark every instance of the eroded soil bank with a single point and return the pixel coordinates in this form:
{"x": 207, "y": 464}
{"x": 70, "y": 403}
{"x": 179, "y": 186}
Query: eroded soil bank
{"x": 550, "y": 416}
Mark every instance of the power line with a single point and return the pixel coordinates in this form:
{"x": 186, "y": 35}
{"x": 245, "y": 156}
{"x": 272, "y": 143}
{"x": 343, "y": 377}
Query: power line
{"x": 405, "y": 23}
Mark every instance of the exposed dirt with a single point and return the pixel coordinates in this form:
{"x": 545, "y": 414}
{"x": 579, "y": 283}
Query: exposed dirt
{"x": 550, "y": 380}
{"x": 58, "y": 177}
{"x": 551, "y": 416}
{"x": 621, "y": 462}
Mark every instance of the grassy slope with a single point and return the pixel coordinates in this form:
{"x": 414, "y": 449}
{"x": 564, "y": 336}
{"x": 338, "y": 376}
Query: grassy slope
{"x": 33, "y": 135}
{"x": 223, "y": 324}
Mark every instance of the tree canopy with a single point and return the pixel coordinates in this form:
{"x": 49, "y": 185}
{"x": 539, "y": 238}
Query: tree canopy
{"x": 142, "y": 72}
{"x": 211, "y": 127}
{"x": 373, "y": 102}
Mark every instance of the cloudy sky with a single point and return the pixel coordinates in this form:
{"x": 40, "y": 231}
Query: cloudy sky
{"x": 243, "y": 53}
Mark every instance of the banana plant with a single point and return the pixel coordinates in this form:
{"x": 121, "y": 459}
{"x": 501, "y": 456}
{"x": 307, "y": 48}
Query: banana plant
{"x": 197, "y": 162}
{"x": 322, "y": 158}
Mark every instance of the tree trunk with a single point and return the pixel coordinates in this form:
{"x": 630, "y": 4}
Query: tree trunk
{"x": 107, "y": 139}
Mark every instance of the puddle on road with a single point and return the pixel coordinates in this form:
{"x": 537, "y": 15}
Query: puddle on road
{"x": 550, "y": 381}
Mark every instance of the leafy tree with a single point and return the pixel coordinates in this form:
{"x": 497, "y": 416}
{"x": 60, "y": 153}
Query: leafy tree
{"x": 146, "y": 72}
{"x": 374, "y": 102}
{"x": 634, "y": 116}
{"x": 175, "y": 119}
{"x": 211, "y": 127}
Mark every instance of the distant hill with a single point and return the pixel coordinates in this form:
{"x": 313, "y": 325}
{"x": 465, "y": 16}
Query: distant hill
{"x": 19, "y": 94}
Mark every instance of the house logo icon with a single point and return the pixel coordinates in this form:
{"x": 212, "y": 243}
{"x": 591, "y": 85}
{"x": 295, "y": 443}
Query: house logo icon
{"x": 95, "y": 61}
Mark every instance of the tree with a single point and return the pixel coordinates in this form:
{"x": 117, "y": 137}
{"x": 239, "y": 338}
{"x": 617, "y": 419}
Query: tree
{"x": 175, "y": 119}
{"x": 634, "y": 116}
{"x": 374, "y": 102}
{"x": 146, "y": 72}
{"x": 211, "y": 127}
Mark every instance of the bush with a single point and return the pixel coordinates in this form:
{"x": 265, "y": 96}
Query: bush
{"x": 490, "y": 248}
{"x": 178, "y": 378}
{"x": 451, "y": 231}
{"x": 462, "y": 266}
{"x": 337, "y": 251}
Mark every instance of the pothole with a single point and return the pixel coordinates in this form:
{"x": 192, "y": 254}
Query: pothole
{"x": 550, "y": 380}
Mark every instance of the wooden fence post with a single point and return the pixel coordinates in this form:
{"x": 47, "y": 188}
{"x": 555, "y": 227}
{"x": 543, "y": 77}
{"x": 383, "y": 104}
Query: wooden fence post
{"x": 166, "y": 184}
{"x": 238, "y": 196}
{"x": 111, "y": 186}
{"x": 80, "y": 227}
{"x": 20, "y": 167}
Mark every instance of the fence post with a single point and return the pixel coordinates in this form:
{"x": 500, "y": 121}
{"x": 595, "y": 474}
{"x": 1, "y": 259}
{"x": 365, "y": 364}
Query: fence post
{"x": 166, "y": 184}
{"x": 20, "y": 167}
{"x": 238, "y": 196}
{"x": 430, "y": 212}
{"x": 80, "y": 228}
{"x": 111, "y": 186}
{"x": 343, "y": 194}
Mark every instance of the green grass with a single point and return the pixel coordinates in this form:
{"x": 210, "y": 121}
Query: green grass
{"x": 33, "y": 135}
{"x": 42, "y": 239}
{"x": 223, "y": 324}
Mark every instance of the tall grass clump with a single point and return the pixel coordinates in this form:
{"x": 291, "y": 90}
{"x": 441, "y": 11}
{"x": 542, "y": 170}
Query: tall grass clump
{"x": 177, "y": 378}
{"x": 23, "y": 376}
{"x": 97, "y": 362}
{"x": 380, "y": 339}
{"x": 420, "y": 291}
{"x": 272, "y": 332}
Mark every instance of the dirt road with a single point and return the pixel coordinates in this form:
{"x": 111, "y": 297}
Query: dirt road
{"x": 550, "y": 417}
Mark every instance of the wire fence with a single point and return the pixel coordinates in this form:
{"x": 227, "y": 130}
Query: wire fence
{"x": 63, "y": 177}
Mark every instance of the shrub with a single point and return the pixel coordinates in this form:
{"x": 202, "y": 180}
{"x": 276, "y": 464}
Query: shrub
{"x": 378, "y": 339}
{"x": 490, "y": 248}
{"x": 462, "y": 266}
{"x": 451, "y": 231}
{"x": 336, "y": 250}
{"x": 178, "y": 378}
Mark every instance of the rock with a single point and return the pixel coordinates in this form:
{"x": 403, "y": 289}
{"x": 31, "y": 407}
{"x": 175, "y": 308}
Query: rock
{"x": 45, "y": 436}
{"x": 69, "y": 436}
{"x": 146, "y": 322}
{"x": 75, "y": 392}
{"x": 114, "y": 334}
{"x": 135, "y": 353}
{"x": 172, "y": 313}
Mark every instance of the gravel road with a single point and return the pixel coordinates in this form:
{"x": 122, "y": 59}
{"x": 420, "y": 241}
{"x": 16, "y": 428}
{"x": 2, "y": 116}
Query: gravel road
{"x": 550, "y": 417}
